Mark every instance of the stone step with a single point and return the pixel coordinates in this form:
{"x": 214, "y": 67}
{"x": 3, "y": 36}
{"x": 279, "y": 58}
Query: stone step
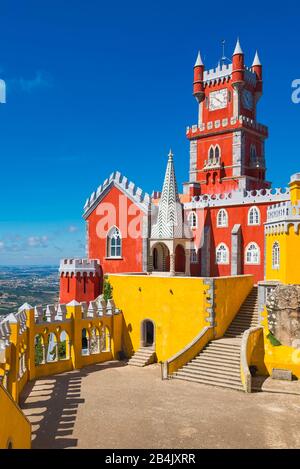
{"x": 203, "y": 381}
{"x": 217, "y": 360}
{"x": 210, "y": 379}
{"x": 232, "y": 365}
{"x": 222, "y": 353}
{"x": 222, "y": 345}
{"x": 221, "y": 378}
{"x": 235, "y": 372}
{"x": 215, "y": 366}
{"x": 211, "y": 383}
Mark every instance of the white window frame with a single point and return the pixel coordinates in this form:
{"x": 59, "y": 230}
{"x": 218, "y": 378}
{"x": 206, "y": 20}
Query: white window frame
{"x": 225, "y": 249}
{"x": 111, "y": 235}
{"x": 193, "y": 220}
{"x": 194, "y": 256}
{"x": 276, "y": 256}
{"x": 250, "y": 211}
{"x": 247, "y": 250}
{"x": 224, "y": 221}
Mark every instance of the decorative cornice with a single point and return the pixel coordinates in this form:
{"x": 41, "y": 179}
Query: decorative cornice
{"x": 133, "y": 192}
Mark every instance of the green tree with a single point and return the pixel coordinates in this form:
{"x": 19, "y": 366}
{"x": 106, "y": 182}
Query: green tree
{"x": 38, "y": 355}
{"x": 107, "y": 289}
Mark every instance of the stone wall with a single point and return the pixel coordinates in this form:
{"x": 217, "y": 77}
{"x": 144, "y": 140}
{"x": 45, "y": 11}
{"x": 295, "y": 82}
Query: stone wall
{"x": 283, "y": 307}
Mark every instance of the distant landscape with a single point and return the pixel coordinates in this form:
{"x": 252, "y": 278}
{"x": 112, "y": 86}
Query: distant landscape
{"x": 36, "y": 285}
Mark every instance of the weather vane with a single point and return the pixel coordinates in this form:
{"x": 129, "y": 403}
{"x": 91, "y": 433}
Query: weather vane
{"x": 224, "y": 58}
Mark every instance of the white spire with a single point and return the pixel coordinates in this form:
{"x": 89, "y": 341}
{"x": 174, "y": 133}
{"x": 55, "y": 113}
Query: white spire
{"x": 256, "y": 60}
{"x": 198, "y": 62}
{"x": 238, "y": 49}
{"x": 169, "y": 220}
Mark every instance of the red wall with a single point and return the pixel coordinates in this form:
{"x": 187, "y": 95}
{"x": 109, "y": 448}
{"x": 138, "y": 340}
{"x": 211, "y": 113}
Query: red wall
{"x": 255, "y": 233}
{"x": 125, "y": 215}
{"x": 80, "y": 287}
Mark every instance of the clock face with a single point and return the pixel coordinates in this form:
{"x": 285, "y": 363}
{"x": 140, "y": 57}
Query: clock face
{"x": 218, "y": 99}
{"x": 247, "y": 98}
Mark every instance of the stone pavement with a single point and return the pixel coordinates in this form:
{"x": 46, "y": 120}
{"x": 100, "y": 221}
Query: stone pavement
{"x": 112, "y": 405}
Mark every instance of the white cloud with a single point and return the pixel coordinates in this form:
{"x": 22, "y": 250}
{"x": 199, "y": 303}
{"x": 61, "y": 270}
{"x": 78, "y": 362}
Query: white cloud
{"x": 1, "y": 245}
{"x": 40, "y": 80}
{"x": 72, "y": 229}
{"x": 37, "y": 241}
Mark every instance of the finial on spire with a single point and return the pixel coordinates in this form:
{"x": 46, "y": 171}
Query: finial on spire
{"x": 170, "y": 155}
{"x": 238, "y": 49}
{"x": 198, "y": 62}
{"x": 256, "y": 60}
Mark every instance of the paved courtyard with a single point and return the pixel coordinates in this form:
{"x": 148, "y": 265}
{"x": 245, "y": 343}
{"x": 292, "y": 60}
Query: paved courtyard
{"x": 113, "y": 405}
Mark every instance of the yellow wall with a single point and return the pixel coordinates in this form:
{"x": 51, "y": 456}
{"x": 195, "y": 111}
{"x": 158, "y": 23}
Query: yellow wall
{"x": 177, "y": 306}
{"x": 279, "y": 356}
{"x": 230, "y": 293}
{"x": 289, "y": 251}
{"x": 14, "y": 426}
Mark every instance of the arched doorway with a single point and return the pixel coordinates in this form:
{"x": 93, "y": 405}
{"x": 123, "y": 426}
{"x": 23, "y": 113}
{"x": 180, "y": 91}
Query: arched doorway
{"x": 179, "y": 259}
{"x": 160, "y": 258}
{"x": 148, "y": 333}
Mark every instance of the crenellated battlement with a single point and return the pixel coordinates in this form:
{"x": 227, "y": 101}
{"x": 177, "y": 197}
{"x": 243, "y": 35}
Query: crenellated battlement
{"x": 79, "y": 266}
{"x": 281, "y": 216}
{"x": 5, "y": 332}
{"x": 55, "y": 313}
{"x": 226, "y": 124}
{"x": 44, "y": 340}
{"x": 135, "y": 193}
{"x": 223, "y": 73}
{"x": 240, "y": 197}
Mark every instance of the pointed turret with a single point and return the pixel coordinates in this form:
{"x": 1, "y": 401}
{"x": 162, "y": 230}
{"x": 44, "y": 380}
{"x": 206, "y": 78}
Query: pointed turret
{"x": 238, "y": 67}
{"x": 169, "y": 220}
{"x": 257, "y": 69}
{"x": 238, "y": 49}
{"x": 256, "y": 61}
{"x": 198, "y": 62}
{"x": 198, "y": 87}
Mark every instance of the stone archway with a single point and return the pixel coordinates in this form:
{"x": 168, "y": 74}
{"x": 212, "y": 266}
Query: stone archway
{"x": 160, "y": 258}
{"x": 179, "y": 258}
{"x": 147, "y": 333}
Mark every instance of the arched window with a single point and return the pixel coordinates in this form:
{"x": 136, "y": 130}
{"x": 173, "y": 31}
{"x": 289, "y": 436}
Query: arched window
{"x": 252, "y": 254}
{"x": 194, "y": 256}
{"x": 193, "y": 220}
{"x": 114, "y": 243}
{"x": 222, "y": 254}
{"x": 85, "y": 342}
{"x": 105, "y": 340}
{"x": 253, "y": 216}
{"x": 253, "y": 153}
{"x": 222, "y": 218}
{"x": 52, "y": 349}
{"x": 276, "y": 255}
{"x": 214, "y": 155}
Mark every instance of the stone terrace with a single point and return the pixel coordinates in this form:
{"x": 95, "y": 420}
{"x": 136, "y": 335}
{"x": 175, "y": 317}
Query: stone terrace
{"x": 112, "y": 405}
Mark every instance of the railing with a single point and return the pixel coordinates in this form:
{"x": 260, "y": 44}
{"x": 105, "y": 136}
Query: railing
{"x": 283, "y": 211}
{"x": 187, "y": 353}
{"x": 215, "y": 163}
{"x": 249, "y": 342}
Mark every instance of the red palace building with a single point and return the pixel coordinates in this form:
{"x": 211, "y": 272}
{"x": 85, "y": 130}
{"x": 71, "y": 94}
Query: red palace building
{"x": 215, "y": 227}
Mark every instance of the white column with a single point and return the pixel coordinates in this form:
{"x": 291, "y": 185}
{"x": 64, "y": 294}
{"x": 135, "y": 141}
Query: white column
{"x": 187, "y": 262}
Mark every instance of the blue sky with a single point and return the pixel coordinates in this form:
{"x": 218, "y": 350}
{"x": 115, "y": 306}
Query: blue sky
{"x": 96, "y": 86}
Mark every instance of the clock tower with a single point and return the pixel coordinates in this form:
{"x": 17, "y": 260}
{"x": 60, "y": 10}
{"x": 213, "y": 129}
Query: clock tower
{"x": 227, "y": 144}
